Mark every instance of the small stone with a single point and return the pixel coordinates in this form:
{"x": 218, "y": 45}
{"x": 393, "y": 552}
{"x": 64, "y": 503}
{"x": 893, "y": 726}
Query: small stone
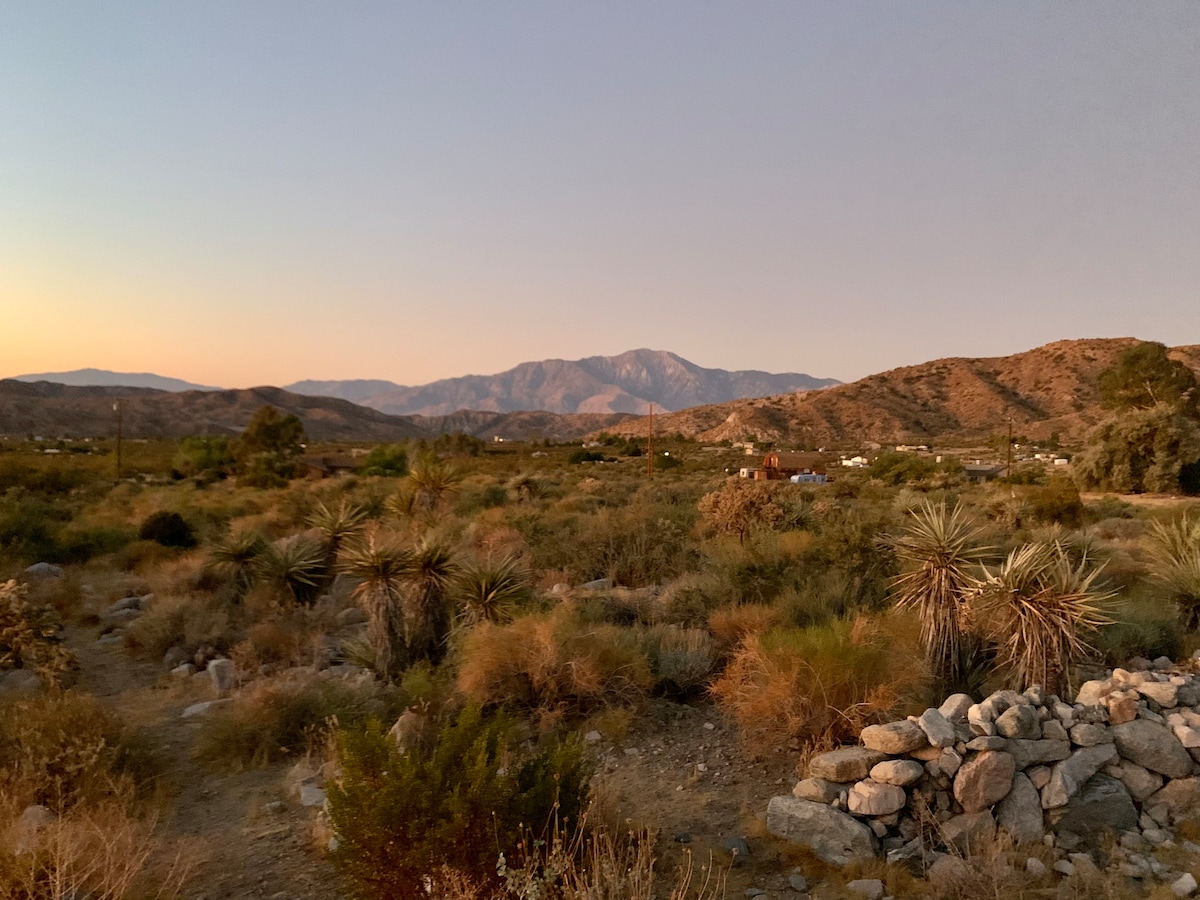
{"x": 938, "y": 729}
{"x": 1039, "y": 776}
{"x": 1062, "y": 867}
{"x": 1035, "y": 867}
{"x": 683, "y": 837}
{"x": 1162, "y": 693}
{"x": 1184, "y": 885}
{"x": 956, "y": 705}
{"x": 869, "y": 798}
{"x": 819, "y": 790}
{"x": 223, "y": 675}
{"x": 737, "y": 846}
{"x": 1019, "y": 722}
{"x": 1053, "y": 730}
{"x": 200, "y": 709}
{"x": 593, "y": 737}
{"x": 709, "y": 726}
{"x": 902, "y": 772}
{"x": 275, "y": 806}
{"x": 845, "y": 764}
{"x": 987, "y": 742}
{"x": 949, "y": 761}
{"x": 895, "y": 737}
{"x": 1092, "y": 693}
{"x": 1088, "y": 735}
{"x": 798, "y": 883}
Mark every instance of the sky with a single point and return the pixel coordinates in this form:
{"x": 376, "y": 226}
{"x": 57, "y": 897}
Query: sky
{"x": 243, "y": 192}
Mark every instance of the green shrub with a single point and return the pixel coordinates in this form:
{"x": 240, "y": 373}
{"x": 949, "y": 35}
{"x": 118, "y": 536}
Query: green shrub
{"x": 1144, "y": 628}
{"x": 169, "y": 529}
{"x": 461, "y": 803}
{"x": 585, "y": 456}
{"x": 187, "y": 621}
{"x": 682, "y": 659}
{"x": 386, "y": 459}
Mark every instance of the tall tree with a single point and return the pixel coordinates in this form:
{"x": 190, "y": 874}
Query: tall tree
{"x": 266, "y": 451}
{"x": 1144, "y": 376}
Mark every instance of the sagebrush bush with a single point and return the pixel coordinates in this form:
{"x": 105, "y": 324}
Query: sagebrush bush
{"x": 189, "y": 621}
{"x": 553, "y": 661}
{"x": 688, "y": 600}
{"x": 820, "y": 684}
{"x": 400, "y": 818}
{"x": 683, "y": 659}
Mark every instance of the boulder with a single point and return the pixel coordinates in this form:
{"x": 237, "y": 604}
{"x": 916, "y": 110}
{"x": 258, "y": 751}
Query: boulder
{"x": 44, "y": 570}
{"x": 949, "y": 762}
{"x": 870, "y": 888}
{"x": 1054, "y": 730}
{"x": 1152, "y": 747}
{"x": 844, "y": 764}
{"x": 1102, "y": 803}
{"x": 1180, "y": 798}
{"x": 19, "y": 682}
{"x": 1019, "y": 722}
{"x": 818, "y": 790}
{"x": 984, "y": 780}
{"x": 870, "y": 798}
{"x": 894, "y": 738}
{"x": 955, "y": 707}
{"x": 970, "y": 832}
{"x": 1092, "y": 693}
{"x": 1031, "y": 753}
{"x": 902, "y": 772}
{"x": 223, "y": 675}
{"x": 1163, "y": 693}
{"x": 1020, "y": 813}
{"x": 1085, "y": 734}
{"x": 834, "y": 836}
{"x": 1140, "y": 782}
{"x": 1071, "y": 774}
{"x": 938, "y": 729}
{"x": 1121, "y": 709}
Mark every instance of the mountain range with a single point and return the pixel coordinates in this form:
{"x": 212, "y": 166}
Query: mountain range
{"x": 959, "y": 400}
{"x": 628, "y": 383}
{"x": 105, "y": 378}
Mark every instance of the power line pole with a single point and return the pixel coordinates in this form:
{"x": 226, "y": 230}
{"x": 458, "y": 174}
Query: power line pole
{"x": 650, "y": 445}
{"x": 117, "y": 410}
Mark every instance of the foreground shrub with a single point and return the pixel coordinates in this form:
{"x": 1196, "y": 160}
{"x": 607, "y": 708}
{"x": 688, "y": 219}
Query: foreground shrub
{"x": 553, "y": 661}
{"x": 819, "y": 684}
{"x": 169, "y": 529}
{"x": 29, "y": 635}
{"x": 459, "y": 804}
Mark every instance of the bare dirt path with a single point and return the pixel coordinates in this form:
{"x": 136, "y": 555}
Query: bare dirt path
{"x": 243, "y": 850}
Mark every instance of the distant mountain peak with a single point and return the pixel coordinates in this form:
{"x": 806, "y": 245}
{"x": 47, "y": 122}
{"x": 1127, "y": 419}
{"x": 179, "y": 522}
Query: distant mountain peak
{"x": 107, "y": 378}
{"x": 627, "y": 383}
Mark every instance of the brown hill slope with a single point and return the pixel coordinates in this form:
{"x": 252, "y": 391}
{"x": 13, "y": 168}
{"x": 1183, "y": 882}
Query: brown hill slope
{"x": 57, "y": 410}
{"x": 1046, "y": 390}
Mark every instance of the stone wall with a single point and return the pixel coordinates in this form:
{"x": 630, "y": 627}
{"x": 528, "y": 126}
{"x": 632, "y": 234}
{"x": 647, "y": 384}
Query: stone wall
{"x": 1123, "y": 760}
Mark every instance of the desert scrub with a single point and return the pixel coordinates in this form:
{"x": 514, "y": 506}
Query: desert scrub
{"x": 280, "y": 718}
{"x": 29, "y": 635}
{"x": 189, "y": 621}
{"x": 458, "y": 804}
{"x": 820, "y": 684}
{"x": 553, "y": 661}
{"x": 682, "y": 659}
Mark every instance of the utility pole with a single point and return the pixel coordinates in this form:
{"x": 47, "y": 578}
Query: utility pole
{"x": 650, "y": 446}
{"x": 117, "y": 410}
{"x": 1009, "y": 472}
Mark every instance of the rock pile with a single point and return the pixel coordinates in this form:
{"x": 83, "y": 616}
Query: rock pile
{"x": 1124, "y": 758}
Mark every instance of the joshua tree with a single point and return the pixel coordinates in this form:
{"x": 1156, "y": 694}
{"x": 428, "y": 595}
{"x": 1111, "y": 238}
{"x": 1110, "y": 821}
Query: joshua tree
{"x": 1175, "y": 565}
{"x": 487, "y": 591}
{"x": 942, "y": 552}
{"x": 381, "y": 570}
{"x": 1038, "y": 606}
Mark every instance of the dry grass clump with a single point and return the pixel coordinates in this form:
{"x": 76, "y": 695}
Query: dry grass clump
{"x": 281, "y": 718}
{"x": 819, "y": 684}
{"x": 553, "y": 661}
{"x": 683, "y": 659}
{"x": 188, "y": 620}
{"x": 29, "y": 635}
{"x": 731, "y": 625}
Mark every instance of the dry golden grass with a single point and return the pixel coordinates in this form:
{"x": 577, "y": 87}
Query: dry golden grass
{"x": 822, "y": 683}
{"x": 731, "y": 625}
{"x": 553, "y": 661}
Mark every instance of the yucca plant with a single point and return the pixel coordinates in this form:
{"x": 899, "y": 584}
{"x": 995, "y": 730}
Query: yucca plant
{"x": 295, "y": 566}
{"x": 381, "y": 569}
{"x": 426, "y": 605}
{"x": 430, "y": 481}
{"x": 942, "y": 553}
{"x": 1175, "y": 565}
{"x": 1038, "y": 607}
{"x": 338, "y": 523}
{"x": 487, "y": 591}
{"x": 236, "y": 557}
{"x": 527, "y": 488}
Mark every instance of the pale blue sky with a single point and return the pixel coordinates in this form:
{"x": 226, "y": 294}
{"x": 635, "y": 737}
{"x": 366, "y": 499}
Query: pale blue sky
{"x": 256, "y": 192}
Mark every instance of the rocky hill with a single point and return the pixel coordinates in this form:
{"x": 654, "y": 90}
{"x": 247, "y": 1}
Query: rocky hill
{"x": 628, "y": 383}
{"x": 1043, "y": 391}
{"x": 61, "y": 410}
{"x": 107, "y": 378}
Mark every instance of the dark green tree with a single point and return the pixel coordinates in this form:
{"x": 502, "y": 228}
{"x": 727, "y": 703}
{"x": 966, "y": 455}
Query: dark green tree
{"x": 1144, "y": 376}
{"x": 267, "y": 450}
{"x": 1156, "y": 450}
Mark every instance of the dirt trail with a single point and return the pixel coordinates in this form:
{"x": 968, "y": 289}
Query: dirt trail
{"x": 244, "y": 850}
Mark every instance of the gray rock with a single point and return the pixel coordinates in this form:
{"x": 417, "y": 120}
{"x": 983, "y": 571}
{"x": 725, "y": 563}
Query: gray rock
{"x": 349, "y": 616}
{"x": 186, "y": 670}
{"x": 895, "y": 738}
{"x": 1053, "y": 730}
{"x": 938, "y": 729}
{"x": 798, "y": 883}
{"x": 949, "y": 761}
{"x": 871, "y": 888}
{"x": 1020, "y": 813}
{"x": 1152, "y": 747}
{"x": 1092, "y": 693}
{"x": 1179, "y": 798}
{"x": 956, "y": 705}
{"x": 200, "y": 709}
{"x": 44, "y": 570}
{"x": 1163, "y": 693}
{"x": 1031, "y": 753}
{"x": 125, "y": 603}
{"x": 19, "y": 682}
{"x": 1035, "y": 868}
{"x": 970, "y": 832}
{"x": 311, "y": 795}
{"x": 1086, "y": 734}
{"x": 1039, "y": 776}
{"x": 902, "y": 772}
{"x": 736, "y": 845}
{"x": 593, "y": 737}
{"x": 1071, "y": 774}
{"x": 176, "y": 656}
{"x": 223, "y": 675}
{"x": 600, "y": 584}
{"x": 819, "y": 790}
{"x": 845, "y": 764}
{"x": 987, "y": 742}
{"x": 870, "y": 798}
{"x": 947, "y": 872}
{"x": 984, "y": 780}
{"x": 1140, "y": 782}
{"x": 1102, "y": 803}
{"x": 834, "y": 836}
{"x": 1184, "y": 886}
{"x": 1020, "y": 722}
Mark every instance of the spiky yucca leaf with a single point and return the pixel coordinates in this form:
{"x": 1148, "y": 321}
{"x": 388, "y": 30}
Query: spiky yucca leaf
{"x": 1175, "y": 564}
{"x": 337, "y": 523}
{"x": 942, "y": 552}
{"x": 294, "y": 565}
{"x": 1038, "y": 606}
{"x": 236, "y": 556}
{"x": 426, "y": 607}
{"x": 487, "y": 591}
